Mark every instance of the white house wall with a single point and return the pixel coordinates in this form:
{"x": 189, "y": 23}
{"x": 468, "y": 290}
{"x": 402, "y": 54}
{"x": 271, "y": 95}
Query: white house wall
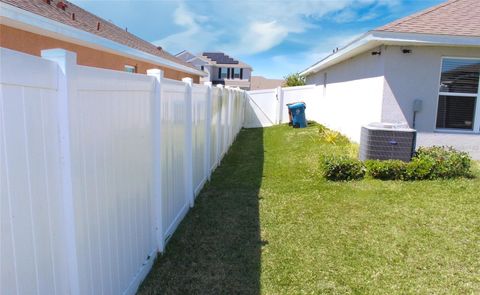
{"x": 416, "y": 76}
{"x": 352, "y": 95}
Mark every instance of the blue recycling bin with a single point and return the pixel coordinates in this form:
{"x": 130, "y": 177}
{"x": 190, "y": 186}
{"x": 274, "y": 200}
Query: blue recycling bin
{"x": 298, "y": 114}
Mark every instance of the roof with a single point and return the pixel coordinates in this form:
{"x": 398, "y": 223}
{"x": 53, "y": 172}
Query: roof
{"x": 76, "y": 17}
{"x": 455, "y": 17}
{"x": 260, "y": 82}
{"x": 187, "y": 56}
{"x": 221, "y": 59}
{"x": 453, "y": 23}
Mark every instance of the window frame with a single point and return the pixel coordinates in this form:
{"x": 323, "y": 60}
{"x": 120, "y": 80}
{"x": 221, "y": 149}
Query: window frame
{"x": 220, "y": 73}
{"x": 476, "y": 114}
{"x": 239, "y": 73}
{"x": 133, "y": 68}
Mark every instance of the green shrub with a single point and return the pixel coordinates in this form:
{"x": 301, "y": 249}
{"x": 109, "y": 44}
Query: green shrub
{"x": 447, "y": 162}
{"x": 420, "y": 169}
{"x": 386, "y": 170}
{"x": 293, "y": 80}
{"x": 343, "y": 169}
{"x": 427, "y": 164}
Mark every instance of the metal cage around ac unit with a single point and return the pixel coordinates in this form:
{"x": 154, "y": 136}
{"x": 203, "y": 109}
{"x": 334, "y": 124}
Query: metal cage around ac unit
{"x": 386, "y": 141}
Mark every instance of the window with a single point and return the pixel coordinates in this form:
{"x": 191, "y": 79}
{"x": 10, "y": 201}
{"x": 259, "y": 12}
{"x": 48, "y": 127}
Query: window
{"x": 458, "y": 101}
{"x": 222, "y": 73}
{"x": 236, "y": 73}
{"x": 130, "y": 69}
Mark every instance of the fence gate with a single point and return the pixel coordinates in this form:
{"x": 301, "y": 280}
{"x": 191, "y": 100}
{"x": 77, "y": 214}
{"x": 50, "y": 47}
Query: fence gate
{"x": 261, "y": 109}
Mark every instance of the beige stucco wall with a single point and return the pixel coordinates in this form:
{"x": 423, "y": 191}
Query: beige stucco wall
{"x": 403, "y": 78}
{"x": 31, "y": 43}
{"x": 352, "y": 95}
{"x": 417, "y": 76}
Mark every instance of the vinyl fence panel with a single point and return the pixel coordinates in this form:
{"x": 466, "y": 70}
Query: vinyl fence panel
{"x": 261, "y": 108}
{"x": 223, "y": 122}
{"x": 32, "y": 252}
{"x": 304, "y": 94}
{"x": 175, "y": 199}
{"x": 98, "y": 168}
{"x": 111, "y": 151}
{"x": 200, "y": 105}
{"x": 215, "y": 127}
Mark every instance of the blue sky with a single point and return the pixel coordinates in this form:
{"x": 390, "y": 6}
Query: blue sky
{"x": 276, "y": 37}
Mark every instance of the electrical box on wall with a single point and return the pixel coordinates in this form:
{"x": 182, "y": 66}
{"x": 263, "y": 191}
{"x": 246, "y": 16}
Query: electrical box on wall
{"x": 417, "y": 105}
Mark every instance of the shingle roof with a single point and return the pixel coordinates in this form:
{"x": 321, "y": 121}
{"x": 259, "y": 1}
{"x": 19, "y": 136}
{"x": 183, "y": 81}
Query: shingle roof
{"x": 81, "y": 19}
{"x": 454, "y": 17}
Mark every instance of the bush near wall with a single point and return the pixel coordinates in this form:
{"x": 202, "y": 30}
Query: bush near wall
{"x": 438, "y": 163}
{"x": 386, "y": 170}
{"x": 343, "y": 169}
{"x": 427, "y": 164}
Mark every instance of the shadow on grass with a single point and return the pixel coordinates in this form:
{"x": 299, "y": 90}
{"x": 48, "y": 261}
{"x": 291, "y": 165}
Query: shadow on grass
{"x": 216, "y": 249}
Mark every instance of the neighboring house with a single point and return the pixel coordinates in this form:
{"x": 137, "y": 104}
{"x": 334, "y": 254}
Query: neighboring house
{"x": 30, "y": 26}
{"x": 198, "y": 61}
{"x": 422, "y": 70}
{"x": 259, "y": 82}
{"x": 220, "y": 68}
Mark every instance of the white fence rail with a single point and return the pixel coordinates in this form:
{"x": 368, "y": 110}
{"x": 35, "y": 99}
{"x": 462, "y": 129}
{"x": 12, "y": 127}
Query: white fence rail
{"x": 98, "y": 168}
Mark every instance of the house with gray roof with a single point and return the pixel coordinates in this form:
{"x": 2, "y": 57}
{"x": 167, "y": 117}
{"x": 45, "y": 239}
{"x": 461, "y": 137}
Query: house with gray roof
{"x": 422, "y": 70}
{"x": 220, "y": 68}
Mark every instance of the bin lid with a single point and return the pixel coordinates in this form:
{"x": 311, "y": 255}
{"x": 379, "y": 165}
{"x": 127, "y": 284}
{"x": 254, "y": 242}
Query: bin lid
{"x": 297, "y": 105}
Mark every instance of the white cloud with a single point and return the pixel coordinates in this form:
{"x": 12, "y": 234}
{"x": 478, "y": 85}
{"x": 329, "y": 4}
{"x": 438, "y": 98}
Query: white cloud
{"x": 260, "y": 36}
{"x": 282, "y": 65}
{"x": 194, "y": 37}
{"x": 250, "y": 27}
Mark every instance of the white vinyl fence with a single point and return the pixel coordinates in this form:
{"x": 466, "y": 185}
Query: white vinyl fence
{"x": 267, "y": 107}
{"x": 339, "y": 111}
{"x": 98, "y": 168}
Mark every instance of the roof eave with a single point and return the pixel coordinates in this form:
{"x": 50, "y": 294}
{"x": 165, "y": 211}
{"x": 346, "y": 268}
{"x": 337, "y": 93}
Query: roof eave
{"x": 25, "y": 20}
{"x": 373, "y": 39}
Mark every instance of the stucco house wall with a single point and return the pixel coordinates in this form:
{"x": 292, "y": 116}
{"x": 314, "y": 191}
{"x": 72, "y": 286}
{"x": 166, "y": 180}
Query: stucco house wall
{"x": 416, "y": 75}
{"x": 406, "y": 57}
{"x": 382, "y": 88}
{"x": 352, "y": 95}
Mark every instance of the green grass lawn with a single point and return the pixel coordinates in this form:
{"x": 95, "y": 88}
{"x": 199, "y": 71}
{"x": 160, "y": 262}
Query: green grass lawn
{"x": 268, "y": 223}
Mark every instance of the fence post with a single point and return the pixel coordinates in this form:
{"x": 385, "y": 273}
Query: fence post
{"x": 156, "y": 163}
{"x": 208, "y": 120}
{"x": 280, "y": 105}
{"x": 67, "y": 62}
{"x": 188, "y": 141}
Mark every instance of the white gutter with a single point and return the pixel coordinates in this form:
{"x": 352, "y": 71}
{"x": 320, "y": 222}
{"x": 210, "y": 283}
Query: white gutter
{"x": 373, "y": 39}
{"x": 21, "y": 19}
